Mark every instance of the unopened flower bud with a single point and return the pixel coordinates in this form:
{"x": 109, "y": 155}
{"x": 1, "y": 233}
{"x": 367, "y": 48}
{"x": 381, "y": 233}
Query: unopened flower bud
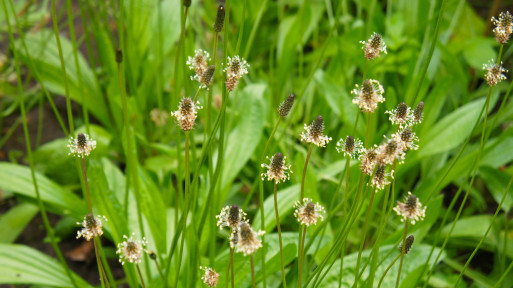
{"x": 218, "y": 25}
{"x": 407, "y": 245}
{"x": 285, "y": 107}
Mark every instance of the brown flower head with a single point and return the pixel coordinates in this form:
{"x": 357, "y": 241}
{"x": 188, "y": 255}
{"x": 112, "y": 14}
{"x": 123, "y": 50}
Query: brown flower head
{"x": 285, "y": 107}
{"x": 407, "y": 139}
{"x": 277, "y": 171}
{"x": 401, "y": 115}
{"x": 81, "y": 146}
{"x": 92, "y": 227}
{"x": 198, "y": 63}
{"x": 494, "y": 73}
{"x": 307, "y": 213}
{"x": 411, "y": 209}
{"x": 131, "y": 250}
{"x": 351, "y": 147}
{"x": 373, "y": 46}
{"x": 236, "y": 68}
{"x": 368, "y": 160}
{"x": 381, "y": 178}
{"x": 368, "y": 97}
{"x": 313, "y": 133}
{"x": 209, "y": 277}
{"x": 503, "y": 27}
{"x": 248, "y": 241}
{"x": 230, "y": 216}
{"x": 186, "y": 114}
{"x": 407, "y": 245}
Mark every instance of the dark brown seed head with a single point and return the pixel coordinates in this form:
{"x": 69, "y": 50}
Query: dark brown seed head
{"x": 349, "y": 148}
{"x": 152, "y": 254}
{"x": 82, "y": 143}
{"x": 406, "y": 135}
{"x": 402, "y": 111}
{"x": 90, "y": 221}
{"x": 218, "y": 25}
{"x": 408, "y": 243}
{"x": 417, "y": 113}
{"x": 376, "y": 41}
{"x": 186, "y": 106}
{"x": 277, "y": 162}
{"x": 234, "y": 216}
{"x": 285, "y": 107}
{"x": 207, "y": 76}
{"x": 187, "y": 3}
{"x": 245, "y": 231}
{"x": 317, "y": 127}
{"x": 367, "y": 88}
{"x": 310, "y": 208}
{"x": 391, "y": 147}
{"x": 380, "y": 173}
{"x": 411, "y": 202}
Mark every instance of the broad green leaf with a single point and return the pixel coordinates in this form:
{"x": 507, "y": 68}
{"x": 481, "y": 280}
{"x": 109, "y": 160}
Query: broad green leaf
{"x": 451, "y": 130}
{"x": 18, "y": 179}
{"x": 15, "y": 221}
{"x": 244, "y": 138}
{"x": 416, "y": 258}
{"x": 286, "y": 198}
{"x": 479, "y": 50}
{"x": 24, "y": 265}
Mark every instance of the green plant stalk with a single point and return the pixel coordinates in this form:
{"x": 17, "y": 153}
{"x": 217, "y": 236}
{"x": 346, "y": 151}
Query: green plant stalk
{"x": 301, "y": 44}
{"x": 486, "y": 233}
{"x": 186, "y": 210}
{"x": 388, "y": 269}
{"x": 103, "y": 276}
{"x": 474, "y": 173}
{"x": 106, "y": 268}
{"x": 75, "y": 56}
{"x": 362, "y": 241}
{"x": 403, "y": 249}
{"x": 232, "y": 270}
{"x": 302, "y": 195}
{"x": 301, "y": 257}
{"x": 131, "y": 157}
{"x": 383, "y": 222}
{"x": 279, "y": 236}
{"x": 506, "y": 273}
{"x": 63, "y": 68}
{"x": 252, "y": 35}
{"x": 42, "y": 208}
{"x": 253, "y": 272}
{"x": 140, "y": 275}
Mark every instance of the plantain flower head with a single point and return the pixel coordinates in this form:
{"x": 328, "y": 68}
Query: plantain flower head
{"x": 368, "y": 97}
{"x": 406, "y": 139}
{"x": 313, "y": 133}
{"x": 368, "y": 160}
{"x": 81, "y": 146}
{"x": 402, "y": 115}
{"x": 198, "y": 63}
{"x": 350, "y": 147}
{"x": 407, "y": 245}
{"x": 374, "y": 46}
{"x": 248, "y": 240}
{"x": 131, "y": 250}
{"x": 236, "y": 68}
{"x": 209, "y": 277}
{"x": 186, "y": 114}
{"x": 307, "y": 213}
{"x": 231, "y": 216}
{"x": 503, "y": 27}
{"x": 411, "y": 209}
{"x": 277, "y": 171}
{"x": 381, "y": 178}
{"x": 494, "y": 73}
{"x": 92, "y": 227}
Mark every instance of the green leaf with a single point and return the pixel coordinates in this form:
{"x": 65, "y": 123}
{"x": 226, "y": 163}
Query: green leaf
{"x": 286, "y": 198}
{"x": 244, "y": 138}
{"x": 18, "y": 179}
{"x": 24, "y": 265}
{"x": 497, "y": 182}
{"x": 15, "y": 221}
{"x": 451, "y": 130}
{"x": 479, "y": 50}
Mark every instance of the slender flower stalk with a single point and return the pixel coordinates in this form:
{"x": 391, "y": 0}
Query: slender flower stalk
{"x": 403, "y": 252}
{"x": 406, "y": 246}
{"x": 362, "y": 241}
{"x": 153, "y": 257}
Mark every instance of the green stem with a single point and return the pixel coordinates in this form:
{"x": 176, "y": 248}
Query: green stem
{"x": 103, "y": 275}
{"x": 367, "y": 134}
{"x": 249, "y": 45}
{"x": 388, "y": 268}
{"x": 506, "y": 273}
{"x": 301, "y": 257}
{"x": 140, "y": 275}
{"x": 362, "y": 241}
{"x": 88, "y": 196}
{"x": 279, "y": 236}
{"x": 486, "y": 233}
{"x": 231, "y": 267}
{"x": 253, "y": 272}
{"x": 30, "y": 157}
{"x": 302, "y": 195}
{"x": 403, "y": 251}
{"x": 186, "y": 209}
{"x": 63, "y": 68}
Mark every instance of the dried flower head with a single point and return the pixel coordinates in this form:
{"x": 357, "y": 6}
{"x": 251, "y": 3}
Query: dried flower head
{"x": 350, "y": 147}
{"x": 373, "y": 46}
{"x": 503, "y": 27}
{"x": 368, "y": 160}
{"x": 407, "y": 245}
{"x": 93, "y": 227}
{"x": 248, "y": 241}
{"x": 198, "y": 63}
{"x": 285, "y": 107}
{"x": 407, "y": 139}
{"x": 186, "y": 114}
{"x": 417, "y": 113}
{"x": 494, "y": 73}
{"x": 218, "y": 24}
{"x": 411, "y": 209}
{"x": 313, "y": 133}
{"x": 81, "y": 146}
{"x": 307, "y": 213}
{"x": 210, "y": 277}
{"x": 381, "y": 177}
{"x": 231, "y": 216}
{"x": 369, "y": 96}
{"x": 236, "y": 68}
{"x": 401, "y": 115}
{"x": 390, "y": 151}
{"x": 159, "y": 117}
{"x": 277, "y": 171}
{"x": 131, "y": 250}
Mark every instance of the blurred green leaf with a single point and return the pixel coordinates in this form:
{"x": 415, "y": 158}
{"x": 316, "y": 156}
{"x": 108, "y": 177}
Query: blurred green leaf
{"x": 497, "y": 182}
{"x": 20, "y": 264}
{"x": 15, "y": 220}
